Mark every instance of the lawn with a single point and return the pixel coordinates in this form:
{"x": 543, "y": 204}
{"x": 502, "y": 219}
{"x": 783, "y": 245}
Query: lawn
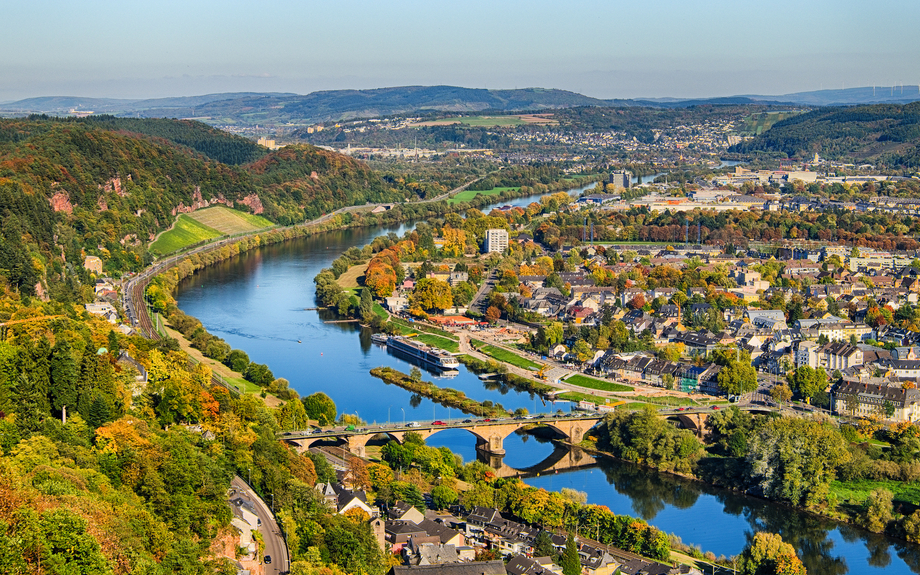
{"x": 858, "y": 491}
{"x": 229, "y": 221}
{"x": 667, "y": 400}
{"x": 184, "y": 233}
{"x": 600, "y": 384}
{"x": 467, "y": 195}
{"x": 508, "y": 357}
{"x": 380, "y": 312}
{"x": 576, "y": 396}
{"x": 437, "y": 341}
{"x": 350, "y": 278}
{"x": 409, "y": 327}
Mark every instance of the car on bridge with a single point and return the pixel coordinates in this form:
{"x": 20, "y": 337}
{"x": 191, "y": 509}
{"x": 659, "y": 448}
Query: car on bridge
{"x": 413, "y": 424}
{"x": 438, "y": 422}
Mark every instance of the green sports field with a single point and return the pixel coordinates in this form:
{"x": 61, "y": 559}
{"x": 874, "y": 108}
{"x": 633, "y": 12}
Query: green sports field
{"x": 467, "y": 195}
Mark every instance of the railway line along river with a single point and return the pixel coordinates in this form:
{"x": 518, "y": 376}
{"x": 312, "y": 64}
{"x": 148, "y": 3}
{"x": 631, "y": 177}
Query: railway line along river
{"x": 257, "y": 302}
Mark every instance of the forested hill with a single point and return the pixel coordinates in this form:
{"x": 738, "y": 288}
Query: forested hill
{"x": 106, "y": 187}
{"x": 213, "y": 143}
{"x": 292, "y": 175}
{"x": 887, "y": 133}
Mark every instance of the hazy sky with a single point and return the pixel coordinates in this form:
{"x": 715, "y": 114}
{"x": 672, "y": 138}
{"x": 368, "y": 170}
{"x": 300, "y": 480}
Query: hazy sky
{"x": 606, "y": 49}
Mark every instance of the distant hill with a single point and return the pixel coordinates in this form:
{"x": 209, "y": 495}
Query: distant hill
{"x": 254, "y": 108}
{"x": 849, "y": 96}
{"x": 106, "y": 186}
{"x": 882, "y": 132}
{"x": 65, "y": 104}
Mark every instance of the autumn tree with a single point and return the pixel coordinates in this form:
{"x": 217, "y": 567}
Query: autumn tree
{"x": 768, "y": 554}
{"x": 781, "y": 393}
{"x": 432, "y": 294}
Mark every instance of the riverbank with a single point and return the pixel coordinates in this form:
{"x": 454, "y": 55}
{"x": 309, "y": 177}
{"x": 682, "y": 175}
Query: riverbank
{"x": 731, "y": 475}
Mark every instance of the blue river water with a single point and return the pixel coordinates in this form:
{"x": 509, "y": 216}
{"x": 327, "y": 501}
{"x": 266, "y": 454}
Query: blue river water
{"x": 258, "y": 302}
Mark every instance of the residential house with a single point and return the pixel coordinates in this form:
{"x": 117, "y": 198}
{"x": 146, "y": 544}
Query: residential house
{"x": 521, "y": 565}
{"x": 597, "y": 561}
{"x": 496, "y": 567}
{"x": 838, "y": 355}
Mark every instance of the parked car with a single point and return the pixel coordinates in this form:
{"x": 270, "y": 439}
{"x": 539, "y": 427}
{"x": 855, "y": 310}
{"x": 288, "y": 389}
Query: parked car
{"x": 268, "y": 559}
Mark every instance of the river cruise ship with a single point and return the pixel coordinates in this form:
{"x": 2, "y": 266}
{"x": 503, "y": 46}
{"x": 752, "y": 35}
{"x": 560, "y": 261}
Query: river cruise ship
{"x": 426, "y": 353}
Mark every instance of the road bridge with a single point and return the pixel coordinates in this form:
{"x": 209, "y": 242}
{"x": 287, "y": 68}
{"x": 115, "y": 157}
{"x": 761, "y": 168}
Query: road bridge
{"x": 490, "y": 434}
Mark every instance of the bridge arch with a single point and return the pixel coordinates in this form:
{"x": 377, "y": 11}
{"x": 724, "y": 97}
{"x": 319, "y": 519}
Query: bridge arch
{"x": 481, "y": 439}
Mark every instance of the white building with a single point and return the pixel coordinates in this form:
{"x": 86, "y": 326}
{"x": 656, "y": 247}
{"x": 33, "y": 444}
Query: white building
{"x": 496, "y": 241}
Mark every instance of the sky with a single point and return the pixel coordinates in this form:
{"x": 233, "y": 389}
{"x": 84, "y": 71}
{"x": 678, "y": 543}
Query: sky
{"x": 605, "y": 49}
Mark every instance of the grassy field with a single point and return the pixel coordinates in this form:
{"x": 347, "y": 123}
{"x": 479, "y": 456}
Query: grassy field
{"x": 668, "y": 400}
{"x": 508, "y": 357}
{"x": 408, "y": 327}
{"x": 378, "y": 309}
{"x": 858, "y": 491}
{"x": 577, "y": 396}
{"x": 599, "y": 384}
{"x": 438, "y": 341}
{"x": 204, "y": 225}
{"x": 229, "y": 221}
{"x": 759, "y": 123}
{"x": 185, "y": 232}
{"x": 467, "y": 195}
{"x": 350, "y": 278}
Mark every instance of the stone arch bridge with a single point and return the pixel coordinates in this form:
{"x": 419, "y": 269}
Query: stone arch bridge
{"x": 490, "y": 434}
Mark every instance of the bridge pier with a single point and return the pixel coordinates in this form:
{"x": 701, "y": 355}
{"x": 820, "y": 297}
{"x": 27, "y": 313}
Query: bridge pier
{"x": 490, "y": 458}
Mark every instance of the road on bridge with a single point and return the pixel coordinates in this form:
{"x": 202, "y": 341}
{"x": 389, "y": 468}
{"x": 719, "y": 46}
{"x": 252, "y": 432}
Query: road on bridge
{"x": 456, "y": 423}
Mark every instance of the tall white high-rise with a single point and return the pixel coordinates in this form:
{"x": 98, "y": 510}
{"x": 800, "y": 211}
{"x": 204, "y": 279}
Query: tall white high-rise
{"x": 496, "y": 241}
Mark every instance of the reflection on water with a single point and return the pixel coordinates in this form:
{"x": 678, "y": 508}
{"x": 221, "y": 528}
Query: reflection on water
{"x": 723, "y": 522}
{"x": 258, "y": 303}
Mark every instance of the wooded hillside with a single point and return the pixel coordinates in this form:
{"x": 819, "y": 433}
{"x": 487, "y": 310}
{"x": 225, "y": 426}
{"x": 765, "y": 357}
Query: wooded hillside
{"x": 885, "y": 133}
{"x": 107, "y": 186}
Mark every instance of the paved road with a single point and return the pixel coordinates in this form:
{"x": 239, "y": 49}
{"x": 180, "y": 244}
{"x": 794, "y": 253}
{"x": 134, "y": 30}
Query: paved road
{"x": 479, "y": 300}
{"x": 275, "y": 546}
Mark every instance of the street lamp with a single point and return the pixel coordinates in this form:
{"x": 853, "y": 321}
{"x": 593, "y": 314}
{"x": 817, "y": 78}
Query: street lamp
{"x": 388, "y": 415}
{"x": 250, "y": 476}
{"x": 404, "y": 415}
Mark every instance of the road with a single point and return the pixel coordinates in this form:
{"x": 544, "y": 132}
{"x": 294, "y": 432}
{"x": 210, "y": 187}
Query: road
{"x": 275, "y": 546}
{"x": 479, "y": 301}
{"x": 456, "y": 422}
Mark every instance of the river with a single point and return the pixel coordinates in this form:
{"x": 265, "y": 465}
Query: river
{"x": 257, "y": 302}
